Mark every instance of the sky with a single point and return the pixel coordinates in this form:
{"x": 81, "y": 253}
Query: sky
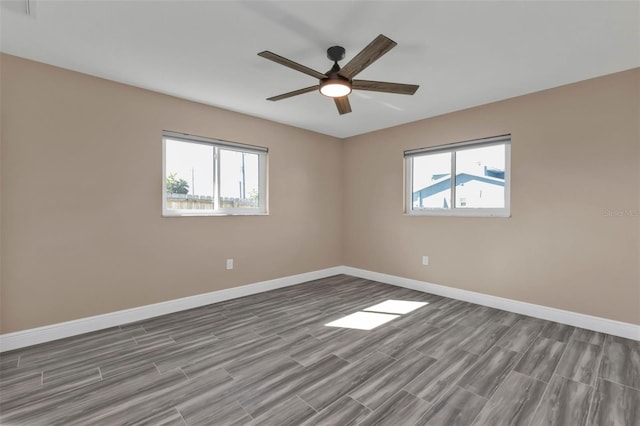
{"x": 470, "y": 161}
{"x": 193, "y": 162}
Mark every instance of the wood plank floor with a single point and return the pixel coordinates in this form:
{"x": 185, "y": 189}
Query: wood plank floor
{"x": 268, "y": 359}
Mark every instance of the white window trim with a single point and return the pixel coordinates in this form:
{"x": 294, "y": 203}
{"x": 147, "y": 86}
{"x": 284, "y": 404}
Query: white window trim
{"x": 409, "y": 210}
{"x": 216, "y": 143}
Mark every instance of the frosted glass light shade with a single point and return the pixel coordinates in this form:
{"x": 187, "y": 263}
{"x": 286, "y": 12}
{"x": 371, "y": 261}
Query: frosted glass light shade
{"x": 335, "y": 88}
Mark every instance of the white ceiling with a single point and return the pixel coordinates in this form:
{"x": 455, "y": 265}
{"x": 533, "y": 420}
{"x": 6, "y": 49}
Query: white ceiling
{"x": 462, "y": 54}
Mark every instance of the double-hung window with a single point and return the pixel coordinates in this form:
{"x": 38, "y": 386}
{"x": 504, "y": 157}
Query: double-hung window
{"x": 463, "y": 179}
{"x": 207, "y": 177}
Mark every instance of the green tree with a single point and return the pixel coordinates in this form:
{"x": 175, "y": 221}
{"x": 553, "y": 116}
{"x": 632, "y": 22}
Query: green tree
{"x": 177, "y": 186}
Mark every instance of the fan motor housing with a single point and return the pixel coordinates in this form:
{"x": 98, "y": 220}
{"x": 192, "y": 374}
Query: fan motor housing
{"x": 335, "y": 53}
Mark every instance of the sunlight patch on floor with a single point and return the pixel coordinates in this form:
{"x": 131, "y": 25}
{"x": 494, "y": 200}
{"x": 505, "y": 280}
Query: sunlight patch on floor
{"x": 376, "y": 315}
{"x": 395, "y": 306}
{"x": 362, "y": 320}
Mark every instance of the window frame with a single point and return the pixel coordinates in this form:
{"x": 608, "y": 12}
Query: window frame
{"x": 454, "y": 210}
{"x": 217, "y": 144}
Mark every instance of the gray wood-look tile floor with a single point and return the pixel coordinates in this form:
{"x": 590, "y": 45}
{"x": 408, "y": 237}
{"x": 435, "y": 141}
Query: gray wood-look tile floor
{"x": 268, "y": 359}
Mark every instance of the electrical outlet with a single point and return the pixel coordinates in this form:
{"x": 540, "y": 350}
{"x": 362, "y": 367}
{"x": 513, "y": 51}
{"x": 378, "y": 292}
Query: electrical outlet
{"x": 229, "y": 263}
{"x": 425, "y": 260}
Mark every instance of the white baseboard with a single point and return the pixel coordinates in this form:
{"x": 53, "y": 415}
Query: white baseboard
{"x": 33, "y": 336}
{"x": 603, "y": 325}
{"x": 20, "y": 339}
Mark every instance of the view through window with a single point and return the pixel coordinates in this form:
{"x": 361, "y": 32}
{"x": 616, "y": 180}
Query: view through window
{"x": 210, "y": 177}
{"x": 465, "y": 179}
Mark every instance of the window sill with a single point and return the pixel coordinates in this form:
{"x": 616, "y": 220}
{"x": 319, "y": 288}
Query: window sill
{"x": 459, "y": 213}
{"x": 172, "y": 214}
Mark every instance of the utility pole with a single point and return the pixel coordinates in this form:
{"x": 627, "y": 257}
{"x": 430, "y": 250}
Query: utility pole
{"x": 243, "y": 181}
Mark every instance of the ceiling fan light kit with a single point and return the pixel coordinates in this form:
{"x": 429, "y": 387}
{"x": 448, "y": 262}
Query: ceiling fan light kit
{"x": 337, "y": 83}
{"x": 335, "y": 87}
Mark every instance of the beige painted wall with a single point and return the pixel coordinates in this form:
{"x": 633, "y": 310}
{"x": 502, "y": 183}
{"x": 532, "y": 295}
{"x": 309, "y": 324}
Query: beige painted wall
{"x": 82, "y": 232}
{"x": 575, "y": 156}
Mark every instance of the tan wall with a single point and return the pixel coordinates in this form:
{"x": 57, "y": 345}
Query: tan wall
{"x": 82, "y": 232}
{"x": 72, "y": 144}
{"x": 575, "y": 155}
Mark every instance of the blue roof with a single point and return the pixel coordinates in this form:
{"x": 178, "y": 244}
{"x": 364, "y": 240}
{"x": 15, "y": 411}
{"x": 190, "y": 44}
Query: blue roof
{"x": 445, "y": 184}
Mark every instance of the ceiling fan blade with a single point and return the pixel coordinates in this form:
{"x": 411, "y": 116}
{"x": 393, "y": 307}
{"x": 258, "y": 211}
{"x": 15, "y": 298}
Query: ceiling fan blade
{"x": 344, "y": 107}
{"x": 293, "y": 65}
{"x": 383, "y": 86}
{"x": 294, "y": 93}
{"x": 378, "y": 47}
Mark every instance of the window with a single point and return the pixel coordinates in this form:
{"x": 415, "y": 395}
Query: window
{"x": 205, "y": 177}
{"x": 463, "y": 179}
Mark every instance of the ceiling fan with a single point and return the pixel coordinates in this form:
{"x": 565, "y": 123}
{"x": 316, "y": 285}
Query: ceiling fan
{"x": 338, "y": 82}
